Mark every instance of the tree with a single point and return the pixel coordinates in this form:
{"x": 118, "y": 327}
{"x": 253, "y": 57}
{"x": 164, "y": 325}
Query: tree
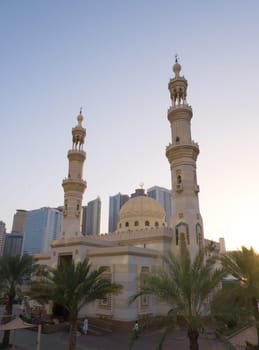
{"x": 72, "y": 286}
{"x": 185, "y": 285}
{"x": 14, "y": 270}
{"x": 243, "y": 265}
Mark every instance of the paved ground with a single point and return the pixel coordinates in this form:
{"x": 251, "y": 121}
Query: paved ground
{"x": 26, "y": 340}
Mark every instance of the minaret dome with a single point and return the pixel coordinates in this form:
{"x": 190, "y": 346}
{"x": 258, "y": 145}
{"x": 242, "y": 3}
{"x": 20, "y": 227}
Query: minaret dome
{"x": 80, "y": 118}
{"x": 177, "y": 68}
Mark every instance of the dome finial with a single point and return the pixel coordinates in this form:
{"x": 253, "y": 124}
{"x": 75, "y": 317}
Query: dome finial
{"x": 176, "y": 67}
{"x": 80, "y": 117}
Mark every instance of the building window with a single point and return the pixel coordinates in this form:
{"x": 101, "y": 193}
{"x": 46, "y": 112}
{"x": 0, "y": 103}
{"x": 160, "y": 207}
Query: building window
{"x": 146, "y": 223}
{"x": 179, "y": 179}
{"x": 156, "y": 223}
{"x": 106, "y": 302}
{"x": 182, "y": 228}
{"x": 144, "y": 299}
{"x": 136, "y": 223}
{"x": 199, "y": 235}
{"x": 65, "y": 259}
{"x": 177, "y": 139}
{"x": 127, "y": 224}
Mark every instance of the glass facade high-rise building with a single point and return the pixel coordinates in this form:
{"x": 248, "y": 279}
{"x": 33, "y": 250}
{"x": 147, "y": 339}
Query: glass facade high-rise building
{"x": 91, "y": 217}
{"x": 163, "y": 196}
{"x": 13, "y": 244}
{"x": 14, "y": 240}
{"x": 115, "y": 203}
{"x": 2, "y": 236}
{"x": 42, "y": 226}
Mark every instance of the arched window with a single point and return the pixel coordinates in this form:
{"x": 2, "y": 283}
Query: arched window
{"x": 199, "y": 235}
{"x": 146, "y": 223}
{"x": 177, "y": 139}
{"x": 182, "y": 228}
{"x": 156, "y": 223}
{"x": 127, "y": 224}
{"x": 136, "y": 223}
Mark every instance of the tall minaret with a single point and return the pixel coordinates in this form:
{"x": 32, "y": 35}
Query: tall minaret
{"x": 182, "y": 154}
{"x": 74, "y": 185}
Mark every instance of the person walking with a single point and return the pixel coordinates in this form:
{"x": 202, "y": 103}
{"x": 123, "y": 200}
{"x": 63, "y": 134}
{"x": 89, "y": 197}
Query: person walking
{"x": 136, "y": 330}
{"x": 85, "y": 326}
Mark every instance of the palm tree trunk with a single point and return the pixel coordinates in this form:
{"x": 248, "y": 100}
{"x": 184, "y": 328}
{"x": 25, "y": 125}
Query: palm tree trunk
{"x": 256, "y": 316}
{"x": 72, "y": 332}
{"x": 6, "y": 338}
{"x": 193, "y": 336}
{"x": 8, "y": 313}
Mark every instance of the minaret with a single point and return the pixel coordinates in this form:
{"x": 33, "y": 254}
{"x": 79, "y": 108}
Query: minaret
{"x": 74, "y": 185}
{"x": 182, "y": 154}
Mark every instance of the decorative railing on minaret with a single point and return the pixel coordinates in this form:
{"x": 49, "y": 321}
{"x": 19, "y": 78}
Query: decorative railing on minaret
{"x": 74, "y": 185}
{"x": 182, "y": 154}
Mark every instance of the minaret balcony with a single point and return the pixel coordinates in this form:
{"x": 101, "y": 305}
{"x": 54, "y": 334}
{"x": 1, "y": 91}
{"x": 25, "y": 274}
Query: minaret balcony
{"x": 178, "y": 151}
{"x": 180, "y": 105}
{"x": 77, "y": 185}
{"x": 196, "y": 188}
{"x": 179, "y": 111}
{"x": 177, "y": 143}
{"x": 75, "y": 154}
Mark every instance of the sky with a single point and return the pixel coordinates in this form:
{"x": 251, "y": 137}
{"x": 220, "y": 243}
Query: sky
{"x": 114, "y": 58}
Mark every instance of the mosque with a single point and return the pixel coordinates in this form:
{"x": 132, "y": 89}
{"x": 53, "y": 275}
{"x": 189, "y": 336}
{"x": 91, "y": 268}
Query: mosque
{"x": 142, "y": 236}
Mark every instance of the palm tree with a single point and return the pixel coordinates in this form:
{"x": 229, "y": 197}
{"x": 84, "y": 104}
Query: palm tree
{"x": 243, "y": 265}
{"x": 185, "y": 285}
{"x": 14, "y": 270}
{"x": 73, "y": 286}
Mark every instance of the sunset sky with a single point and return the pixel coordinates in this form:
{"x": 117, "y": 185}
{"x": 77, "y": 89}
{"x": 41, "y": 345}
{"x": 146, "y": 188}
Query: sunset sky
{"x": 114, "y": 58}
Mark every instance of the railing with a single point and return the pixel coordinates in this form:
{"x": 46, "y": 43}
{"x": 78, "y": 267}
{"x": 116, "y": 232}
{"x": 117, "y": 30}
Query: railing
{"x": 66, "y": 180}
{"x": 75, "y": 150}
{"x": 179, "y": 143}
{"x": 180, "y": 105}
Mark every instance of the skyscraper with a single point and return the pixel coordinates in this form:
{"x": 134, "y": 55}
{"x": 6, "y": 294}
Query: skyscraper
{"x": 2, "y": 236}
{"x": 19, "y": 220}
{"x": 14, "y": 240}
{"x": 163, "y": 196}
{"x": 91, "y": 218}
{"x": 42, "y": 226}
{"x": 115, "y": 203}
{"x": 13, "y": 244}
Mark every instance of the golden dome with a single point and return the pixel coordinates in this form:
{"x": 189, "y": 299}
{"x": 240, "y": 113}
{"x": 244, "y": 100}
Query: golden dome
{"x": 140, "y": 212}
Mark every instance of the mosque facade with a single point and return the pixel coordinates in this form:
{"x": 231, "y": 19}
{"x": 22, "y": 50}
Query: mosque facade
{"x": 142, "y": 237}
